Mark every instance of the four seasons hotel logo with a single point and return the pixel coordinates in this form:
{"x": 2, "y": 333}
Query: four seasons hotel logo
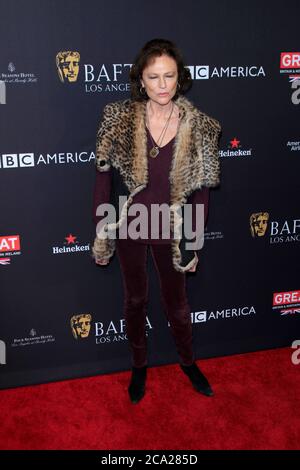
{"x": 67, "y": 63}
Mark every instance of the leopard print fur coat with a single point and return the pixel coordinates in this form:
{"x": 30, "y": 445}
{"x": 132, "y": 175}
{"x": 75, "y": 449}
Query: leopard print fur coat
{"x": 122, "y": 144}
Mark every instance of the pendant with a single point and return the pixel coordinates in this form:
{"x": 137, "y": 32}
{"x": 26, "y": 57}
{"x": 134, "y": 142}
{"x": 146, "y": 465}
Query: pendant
{"x": 154, "y": 152}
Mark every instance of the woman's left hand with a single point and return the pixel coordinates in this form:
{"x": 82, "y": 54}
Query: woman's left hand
{"x": 193, "y": 269}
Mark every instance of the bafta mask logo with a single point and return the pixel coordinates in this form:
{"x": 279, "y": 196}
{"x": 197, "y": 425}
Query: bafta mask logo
{"x": 258, "y": 224}
{"x": 81, "y": 325}
{"x": 67, "y": 63}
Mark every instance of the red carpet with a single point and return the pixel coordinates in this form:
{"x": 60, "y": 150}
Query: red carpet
{"x": 256, "y": 406}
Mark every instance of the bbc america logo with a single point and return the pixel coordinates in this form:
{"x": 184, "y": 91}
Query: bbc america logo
{"x": 198, "y": 317}
{"x": 199, "y": 72}
{"x": 16, "y": 160}
{"x": 204, "y": 72}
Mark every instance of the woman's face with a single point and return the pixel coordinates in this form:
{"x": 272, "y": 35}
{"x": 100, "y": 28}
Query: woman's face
{"x": 159, "y": 78}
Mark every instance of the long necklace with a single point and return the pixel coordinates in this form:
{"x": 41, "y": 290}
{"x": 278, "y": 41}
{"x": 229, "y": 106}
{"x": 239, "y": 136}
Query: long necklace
{"x": 155, "y": 147}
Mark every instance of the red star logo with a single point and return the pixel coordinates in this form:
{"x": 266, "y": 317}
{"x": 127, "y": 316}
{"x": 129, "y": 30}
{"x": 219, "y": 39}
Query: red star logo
{"x": 70, "y": 239}
{"x": 234, "y": 143}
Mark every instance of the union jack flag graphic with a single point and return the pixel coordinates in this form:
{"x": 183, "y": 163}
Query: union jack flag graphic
{"x": 290, "y": 310}
{"x": 292, "y": 78}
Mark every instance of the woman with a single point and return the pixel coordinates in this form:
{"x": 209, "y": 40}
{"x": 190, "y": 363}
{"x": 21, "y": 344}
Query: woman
{"x": 155, "y": 148}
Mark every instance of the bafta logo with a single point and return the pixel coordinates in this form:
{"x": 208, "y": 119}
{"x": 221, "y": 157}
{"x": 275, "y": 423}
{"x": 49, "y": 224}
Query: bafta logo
{"x": 67, "y": 63}
{"x": 258, "y": 224}
{"x": 81, "y": 325}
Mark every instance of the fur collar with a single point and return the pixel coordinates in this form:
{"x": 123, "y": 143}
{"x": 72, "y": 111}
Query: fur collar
{"x": 127, "y": 125}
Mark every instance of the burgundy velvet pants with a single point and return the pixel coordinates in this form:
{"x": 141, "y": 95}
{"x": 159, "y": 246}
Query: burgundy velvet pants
{"x": 133, "y": 262}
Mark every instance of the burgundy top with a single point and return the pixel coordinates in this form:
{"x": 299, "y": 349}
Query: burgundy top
{"x": 157, "y": 190}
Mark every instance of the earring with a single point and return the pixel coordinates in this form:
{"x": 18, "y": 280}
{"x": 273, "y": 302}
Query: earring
{"x": 142, "y": 92}
{"x": 178, "y": 84}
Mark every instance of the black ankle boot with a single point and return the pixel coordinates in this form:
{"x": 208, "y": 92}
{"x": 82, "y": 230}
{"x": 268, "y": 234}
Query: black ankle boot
{"x": 199, "y": 381}
{"x": 136, "y": 387}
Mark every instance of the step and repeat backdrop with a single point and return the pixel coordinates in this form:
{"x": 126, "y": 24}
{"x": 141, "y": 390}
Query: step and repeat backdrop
{"x": 60, "y": 63}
